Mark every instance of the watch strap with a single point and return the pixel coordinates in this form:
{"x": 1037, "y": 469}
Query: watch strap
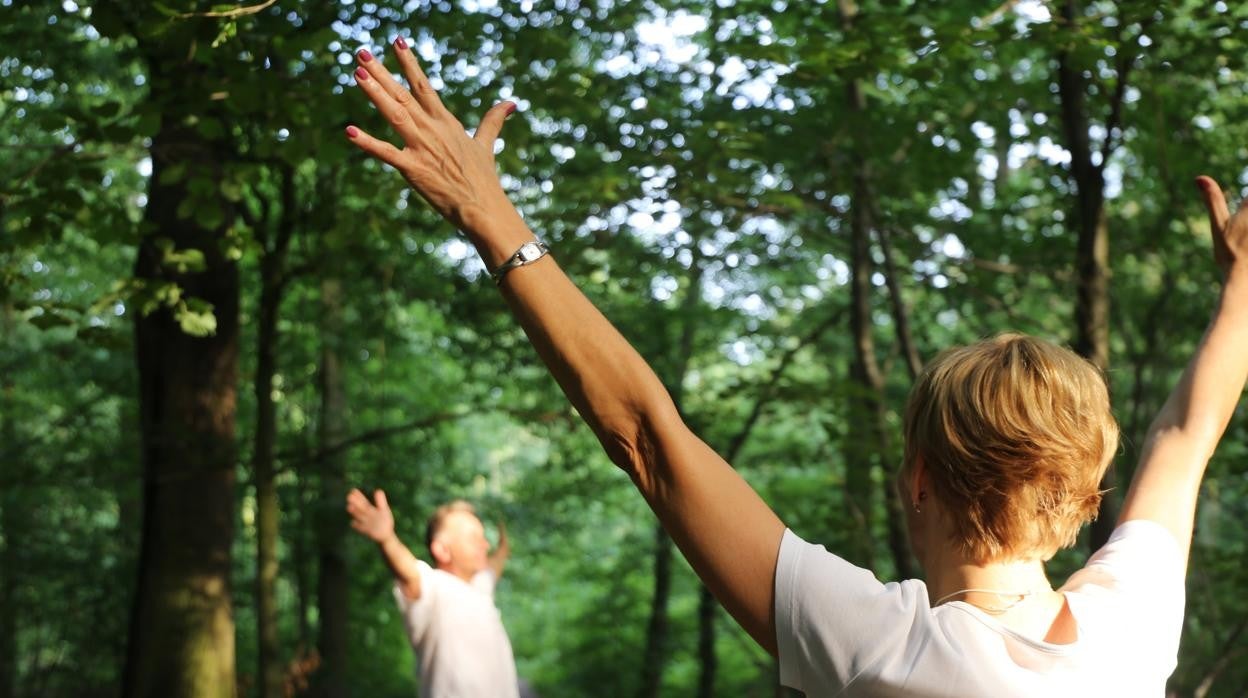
{"x": 528, "y": 253}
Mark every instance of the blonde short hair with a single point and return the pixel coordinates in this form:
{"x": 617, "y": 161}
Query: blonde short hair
{"x": 438, "y": 518}
{"x": 1015, "y": 434}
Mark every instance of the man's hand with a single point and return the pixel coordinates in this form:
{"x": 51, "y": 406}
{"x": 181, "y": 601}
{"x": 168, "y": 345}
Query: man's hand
{"x": 502, "y": 551}
{"x": 373, "y": 520}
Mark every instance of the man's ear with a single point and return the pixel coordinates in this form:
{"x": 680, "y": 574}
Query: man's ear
{"x": 441, "y": 554}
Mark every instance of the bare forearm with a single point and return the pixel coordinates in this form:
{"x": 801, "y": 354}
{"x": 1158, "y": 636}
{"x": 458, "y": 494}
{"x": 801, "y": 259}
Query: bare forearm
{"x": 605, "y": 379}
{"x": 727, "y": 532}
{"x": 1205, "y": 398}
{"x": 1185, "y": 433}
{"x": 402, "y": 564}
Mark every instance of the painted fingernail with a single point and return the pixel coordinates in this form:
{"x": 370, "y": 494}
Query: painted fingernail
{"x": 400, "y": 44}
{"x": 361, "y": 74}
{"x": 364, "y": 55}
{"x": 511, "y": 108}
{"x": 352, "y": 132}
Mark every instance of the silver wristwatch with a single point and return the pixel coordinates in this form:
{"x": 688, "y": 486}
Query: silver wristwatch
{"x": 528, "y": 253}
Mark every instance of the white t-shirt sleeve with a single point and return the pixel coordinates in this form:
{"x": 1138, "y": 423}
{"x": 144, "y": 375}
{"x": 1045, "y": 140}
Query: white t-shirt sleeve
{"x": 484, "y": 582}
{"x": 835, "y": 620}
{"x": 416, "y": 612}
{"x": 1139, "y": 578}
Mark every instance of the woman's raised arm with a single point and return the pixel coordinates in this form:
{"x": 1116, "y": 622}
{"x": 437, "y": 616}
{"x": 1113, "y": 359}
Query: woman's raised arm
{"x": 1185, "y": 433}
{"x": 729, "y": 535}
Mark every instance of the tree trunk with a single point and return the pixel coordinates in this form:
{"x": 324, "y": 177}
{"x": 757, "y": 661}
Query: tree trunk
{"x": 331, "y": 523}
{"x": 653, "y": 658}
{"x": 863, "y": 440}
{"x": 706, "y": 642}
{"x": 270, "y": 671}
{"x": 182, "y": 631}
{"x": 8, "y": 559}
{"x": 1092, "y": 248}
{"x": 655, "y": 655}
{"x": 868, "y": 446}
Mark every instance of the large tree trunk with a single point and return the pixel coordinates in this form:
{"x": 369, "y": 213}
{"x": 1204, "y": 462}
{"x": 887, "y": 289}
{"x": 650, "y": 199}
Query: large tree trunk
{"x": 1092, "y": 251}
{"x": 182, "y": 631}
{"x": 331, "y": 523}
{"x": 272, "y": 285}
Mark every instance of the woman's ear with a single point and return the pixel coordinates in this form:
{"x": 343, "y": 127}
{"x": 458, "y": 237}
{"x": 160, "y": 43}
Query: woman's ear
{"x": 918, "y": 482}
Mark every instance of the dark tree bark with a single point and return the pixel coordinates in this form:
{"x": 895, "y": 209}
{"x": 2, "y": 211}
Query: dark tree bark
{"x": 655, "y": 653}
{"x": 8, "y": 558}
{"x": 708, "y": 660}
{"x": 270, "y": 670}
{"x": 182, "y": 628}
{"x": 653, "y": 659}
{"x": 331, "y": 523}
{"x": 1087, "y": 170}
{"x": 870, "y": 447}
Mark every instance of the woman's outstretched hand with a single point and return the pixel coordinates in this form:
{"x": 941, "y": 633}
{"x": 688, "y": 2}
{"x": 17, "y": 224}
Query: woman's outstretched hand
{"x": 453, "y": 171}
{"x": 1230, "y": 233}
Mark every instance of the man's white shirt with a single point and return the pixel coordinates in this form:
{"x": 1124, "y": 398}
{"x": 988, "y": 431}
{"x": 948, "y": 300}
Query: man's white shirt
{"x": 461, "y": 645}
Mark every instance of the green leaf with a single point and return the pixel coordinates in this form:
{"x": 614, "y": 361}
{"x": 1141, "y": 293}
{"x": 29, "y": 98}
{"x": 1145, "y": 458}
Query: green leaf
{"x": 196, "y": 318}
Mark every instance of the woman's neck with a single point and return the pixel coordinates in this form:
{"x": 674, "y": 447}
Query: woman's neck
{"x": 994, "y": 585}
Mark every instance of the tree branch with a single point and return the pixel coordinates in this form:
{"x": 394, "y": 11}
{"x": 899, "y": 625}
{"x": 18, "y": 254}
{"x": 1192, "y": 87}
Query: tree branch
{"x": 230, "y": 14}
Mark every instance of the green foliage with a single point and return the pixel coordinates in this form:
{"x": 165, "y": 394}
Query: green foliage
{"x": 700, "y": 190}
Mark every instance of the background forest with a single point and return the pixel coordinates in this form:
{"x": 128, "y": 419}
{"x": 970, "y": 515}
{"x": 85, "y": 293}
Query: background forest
{"x": 216, "y": 316}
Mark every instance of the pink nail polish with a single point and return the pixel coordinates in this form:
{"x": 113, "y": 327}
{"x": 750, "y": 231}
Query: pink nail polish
{"x": 364, "y": 55}
{"x": 511, "y": 108}
{"x": 361, "y": 74}
{"x": 400, "y": 44}
{"x": 352, "y": 132}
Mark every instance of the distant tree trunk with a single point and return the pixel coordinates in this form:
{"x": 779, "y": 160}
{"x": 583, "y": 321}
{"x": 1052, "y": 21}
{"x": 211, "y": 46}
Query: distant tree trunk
{"x": 8, "y": 560}
{"x": 706, "y": 642}
{"x": 898, "y": 540}
{"x": 272, "y": 285}
{"x": 1092, "y": 251}
{"x": 331, "y": 522}
{"x": 1001, "y": 149}
{"x": 867, "y": 447}
{"x": 181, "y": 640}
{"x": 863, "y": 442}
{"x": 654, "y": 657}
{"x": 300, "y": 560}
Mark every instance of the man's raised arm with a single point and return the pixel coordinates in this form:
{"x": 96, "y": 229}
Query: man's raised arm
{"x": 376, "y": 522}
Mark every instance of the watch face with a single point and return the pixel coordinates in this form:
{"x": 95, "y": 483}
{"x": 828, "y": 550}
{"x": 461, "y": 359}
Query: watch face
{"x": 529, "y": 252}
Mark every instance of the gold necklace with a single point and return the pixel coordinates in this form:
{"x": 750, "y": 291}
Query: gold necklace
{"x": 996, "y": 611}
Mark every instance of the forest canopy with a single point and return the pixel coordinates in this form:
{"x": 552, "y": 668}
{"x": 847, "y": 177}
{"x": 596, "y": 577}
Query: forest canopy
{"x": 217, "y": 316}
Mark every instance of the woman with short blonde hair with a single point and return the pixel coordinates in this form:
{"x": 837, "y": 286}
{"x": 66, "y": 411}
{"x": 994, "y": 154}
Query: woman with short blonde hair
{"x": 1006, "y": 441}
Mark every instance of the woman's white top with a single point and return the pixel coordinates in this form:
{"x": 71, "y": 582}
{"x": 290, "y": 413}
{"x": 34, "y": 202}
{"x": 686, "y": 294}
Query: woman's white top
{"x": 841, "y": 632}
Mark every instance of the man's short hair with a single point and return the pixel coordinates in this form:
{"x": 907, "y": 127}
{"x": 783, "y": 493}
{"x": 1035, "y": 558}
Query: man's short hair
{"x": 438, "y": 518}
{"x": 1015, "y": 434}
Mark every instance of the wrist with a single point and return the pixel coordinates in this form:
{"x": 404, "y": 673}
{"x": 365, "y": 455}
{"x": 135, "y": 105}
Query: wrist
{"x": 385, "y": 540}
{"x": 497, "y": 236}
